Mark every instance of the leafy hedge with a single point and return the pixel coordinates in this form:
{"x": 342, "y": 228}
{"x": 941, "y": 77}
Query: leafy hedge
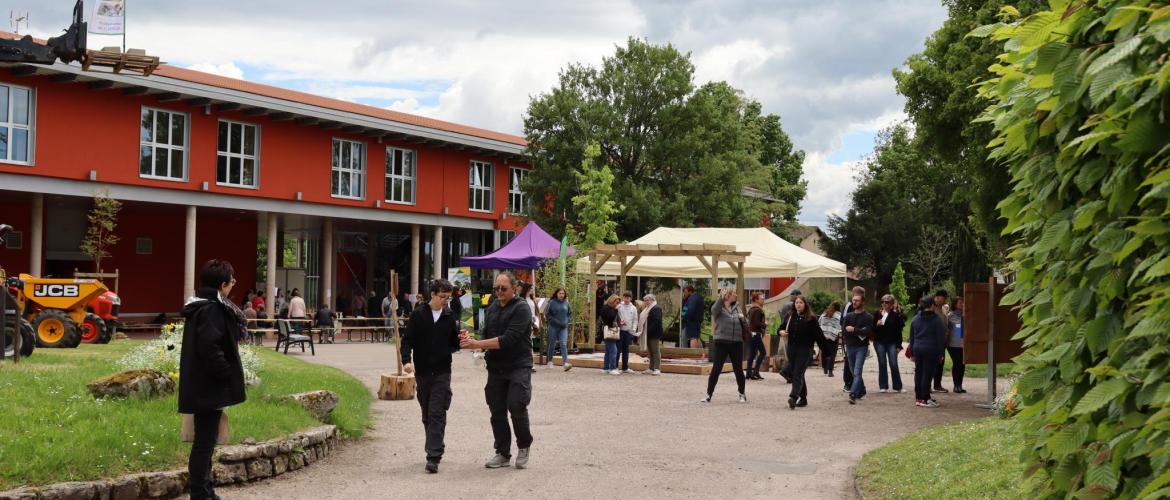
{"x": 1079, "y": 102}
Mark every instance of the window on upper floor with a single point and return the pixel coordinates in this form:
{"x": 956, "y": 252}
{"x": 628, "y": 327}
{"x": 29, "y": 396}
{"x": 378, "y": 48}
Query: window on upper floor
{"x": 516, "y": 199}
{"x": 163, "y": 146}
{"x": 237, "y": 152}
{"x": 400, "y": 175}
{"x": 349, "y": 169}
{"x": 16, "y": 129}
{"x": 480, "y": 186}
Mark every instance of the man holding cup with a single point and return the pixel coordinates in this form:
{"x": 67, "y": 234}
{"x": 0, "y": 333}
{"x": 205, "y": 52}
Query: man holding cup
{"x": 506, "y": 336}
{"x": 432, "y": 335}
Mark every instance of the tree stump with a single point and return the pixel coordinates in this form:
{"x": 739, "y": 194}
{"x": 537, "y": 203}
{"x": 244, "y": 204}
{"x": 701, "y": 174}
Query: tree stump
{"x": 396, "y": 387}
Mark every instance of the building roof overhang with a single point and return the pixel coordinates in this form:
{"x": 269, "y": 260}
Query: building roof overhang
{"x": 220, "y": 98}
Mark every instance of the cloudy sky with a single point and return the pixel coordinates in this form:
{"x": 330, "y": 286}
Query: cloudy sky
{"x": 822, "y": 65}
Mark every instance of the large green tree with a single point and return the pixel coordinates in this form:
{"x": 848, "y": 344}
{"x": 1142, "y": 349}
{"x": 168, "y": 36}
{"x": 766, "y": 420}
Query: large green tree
{"x": 783, "y": 173}
{"x": 941, "y": 101}
{"x": 1081, "y": 110}
{"x": 900, "y": 190}
{"x": 680, "y": 154}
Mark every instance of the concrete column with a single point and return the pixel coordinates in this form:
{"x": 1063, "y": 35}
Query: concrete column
{"x": 189, "y": 256}
{"x": 415, "y": 243}
{"x": 371, "y": 261}
{"x": 327, "y": 256}
{"x": 36, "y": 240}
{"x": 270, "y": 285}
{"x": 439, "y": 252}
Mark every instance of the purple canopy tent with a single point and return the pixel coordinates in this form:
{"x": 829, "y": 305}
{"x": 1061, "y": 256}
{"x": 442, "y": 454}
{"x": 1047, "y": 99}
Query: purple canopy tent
{"x": 525, "y": 251}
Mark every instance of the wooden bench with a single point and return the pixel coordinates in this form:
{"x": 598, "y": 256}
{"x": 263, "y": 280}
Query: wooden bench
{"x": 256, "y": 335}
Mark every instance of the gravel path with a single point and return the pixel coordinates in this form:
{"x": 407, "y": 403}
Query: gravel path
{"x": 628, "y": 436}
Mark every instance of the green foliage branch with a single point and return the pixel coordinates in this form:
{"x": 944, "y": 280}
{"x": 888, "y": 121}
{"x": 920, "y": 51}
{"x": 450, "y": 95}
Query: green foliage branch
{"x": 103, "y": 220}
{"x": 1079, "y": 107}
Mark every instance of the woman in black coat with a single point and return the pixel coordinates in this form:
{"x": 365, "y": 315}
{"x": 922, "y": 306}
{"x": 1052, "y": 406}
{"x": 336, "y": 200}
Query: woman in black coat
{"x": 802, "y": 330}
{"x": 211, "y": 376}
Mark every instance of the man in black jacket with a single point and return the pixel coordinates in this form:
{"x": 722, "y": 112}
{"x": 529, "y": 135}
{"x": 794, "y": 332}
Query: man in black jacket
{"x": 507, "y": 338}
{"x": 432, "y": 334}
{"x": 211, "y": 376}
{"x": 858, "y": 327}
{"x": 653, "y": 334}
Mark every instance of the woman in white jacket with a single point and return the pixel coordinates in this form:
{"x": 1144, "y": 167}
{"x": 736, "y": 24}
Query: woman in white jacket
{"x": 831, "y": 327}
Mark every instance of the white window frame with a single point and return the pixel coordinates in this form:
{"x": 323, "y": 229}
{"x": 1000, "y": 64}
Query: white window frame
{"x": 155, "y": 145}
{"x": 506, "y": 236}
{"x": 484, "y": 189}
{"x": 514, "y": 192}
{"x": 242, "y": 155}
{"x": 359, "y": 170}
{"x": 411, "y": 180}
{"x": 6, "y": 121}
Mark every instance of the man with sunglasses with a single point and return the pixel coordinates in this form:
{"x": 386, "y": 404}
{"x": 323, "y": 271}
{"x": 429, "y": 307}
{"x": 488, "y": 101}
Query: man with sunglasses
{"x": 506, "y": 336}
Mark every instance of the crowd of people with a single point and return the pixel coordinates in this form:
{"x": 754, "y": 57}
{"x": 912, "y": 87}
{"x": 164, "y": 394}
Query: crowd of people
{"x": 515, "y": 317}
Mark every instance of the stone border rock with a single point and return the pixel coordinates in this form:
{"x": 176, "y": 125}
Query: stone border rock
{"x": 233, "y": 464}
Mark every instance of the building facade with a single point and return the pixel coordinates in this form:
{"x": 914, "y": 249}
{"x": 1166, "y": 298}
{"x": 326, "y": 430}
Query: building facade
{"x": 303, "y": 191}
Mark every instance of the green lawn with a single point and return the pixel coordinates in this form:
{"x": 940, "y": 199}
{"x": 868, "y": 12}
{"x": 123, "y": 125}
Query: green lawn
{"x": 970, "y": 459}
{"x": 52, "y": 430}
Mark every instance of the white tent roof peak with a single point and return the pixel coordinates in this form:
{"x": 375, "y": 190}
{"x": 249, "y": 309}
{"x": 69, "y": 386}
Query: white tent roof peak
{"x": 771, "y": 256}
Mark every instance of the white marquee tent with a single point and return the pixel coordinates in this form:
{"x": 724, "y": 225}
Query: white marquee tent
{"x": 771, "y": 256}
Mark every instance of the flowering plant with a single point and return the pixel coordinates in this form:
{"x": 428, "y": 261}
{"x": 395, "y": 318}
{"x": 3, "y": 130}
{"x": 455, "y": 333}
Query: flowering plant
{"x": 163, "y": 354}
{"x": 1008, "y": 404}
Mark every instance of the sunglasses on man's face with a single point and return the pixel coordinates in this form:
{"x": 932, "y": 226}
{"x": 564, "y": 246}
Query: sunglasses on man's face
{"x": 502, "y": 288}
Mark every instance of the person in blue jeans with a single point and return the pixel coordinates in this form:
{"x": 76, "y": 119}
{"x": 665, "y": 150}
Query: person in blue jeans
{"x": 888, "y": 325}
{"x": 609, "y": 318}
{"x": 858, "y": 328}
{"x": 558, "y": 312}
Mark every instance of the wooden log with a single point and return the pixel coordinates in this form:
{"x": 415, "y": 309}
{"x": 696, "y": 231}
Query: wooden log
{"x": 396, "y": 387}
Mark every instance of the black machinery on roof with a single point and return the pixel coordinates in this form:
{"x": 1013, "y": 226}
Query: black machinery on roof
{"x": 68, "y": 47}
{"x": 71, "y": 47}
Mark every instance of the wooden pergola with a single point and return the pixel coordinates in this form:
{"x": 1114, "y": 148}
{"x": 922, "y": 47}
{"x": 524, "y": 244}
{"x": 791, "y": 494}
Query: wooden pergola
{"x": 709, "y": 254}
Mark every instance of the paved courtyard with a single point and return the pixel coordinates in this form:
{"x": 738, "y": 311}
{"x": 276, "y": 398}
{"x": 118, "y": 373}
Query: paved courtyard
{"x": 628, "y": 436}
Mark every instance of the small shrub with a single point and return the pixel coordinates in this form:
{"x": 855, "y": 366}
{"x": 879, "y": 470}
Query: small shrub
{"x": 820, "y": 300}
{"x": 163, "y": 354}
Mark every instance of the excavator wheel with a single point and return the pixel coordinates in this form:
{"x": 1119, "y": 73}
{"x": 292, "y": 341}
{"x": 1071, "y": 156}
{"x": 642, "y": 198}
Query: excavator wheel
{"x": 92, "y": 329}
{"x": 54, "y": 329}
{"x": 28, "y": 341}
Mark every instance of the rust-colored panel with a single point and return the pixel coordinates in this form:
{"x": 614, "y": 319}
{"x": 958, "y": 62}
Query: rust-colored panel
{"x": 975, "y": 325}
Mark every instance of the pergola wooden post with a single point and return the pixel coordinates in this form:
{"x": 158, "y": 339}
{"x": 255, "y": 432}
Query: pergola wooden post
{"x": 629, "y": 255}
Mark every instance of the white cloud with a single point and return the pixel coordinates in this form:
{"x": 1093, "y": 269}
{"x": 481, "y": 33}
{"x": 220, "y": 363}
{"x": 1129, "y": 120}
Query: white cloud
{"x": 228, "y": 69}
{"x": 822, "y": 65}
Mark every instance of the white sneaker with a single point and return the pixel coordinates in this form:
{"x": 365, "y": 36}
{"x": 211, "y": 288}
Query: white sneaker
{"x": 706, "y": 398}
{"x": 627, "y": 370}
{"x": 549, "y": 365}
{"x": 568, "y": 366}
{"x": 656, "y": 372}
{"x": 522, "y": 458}
{"x": 899, "y": 391}
{"x": 884, "y": 391}
{"x": 742, "y": 398}
{"x": 614, "y": 372}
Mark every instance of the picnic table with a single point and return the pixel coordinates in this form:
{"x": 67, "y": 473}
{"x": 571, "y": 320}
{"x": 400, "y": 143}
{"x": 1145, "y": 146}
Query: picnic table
{"x": 367, "y": 329}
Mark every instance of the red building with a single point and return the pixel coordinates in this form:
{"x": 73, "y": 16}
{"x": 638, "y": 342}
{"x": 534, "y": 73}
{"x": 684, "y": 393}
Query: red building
{"x": 213, "y": 167}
